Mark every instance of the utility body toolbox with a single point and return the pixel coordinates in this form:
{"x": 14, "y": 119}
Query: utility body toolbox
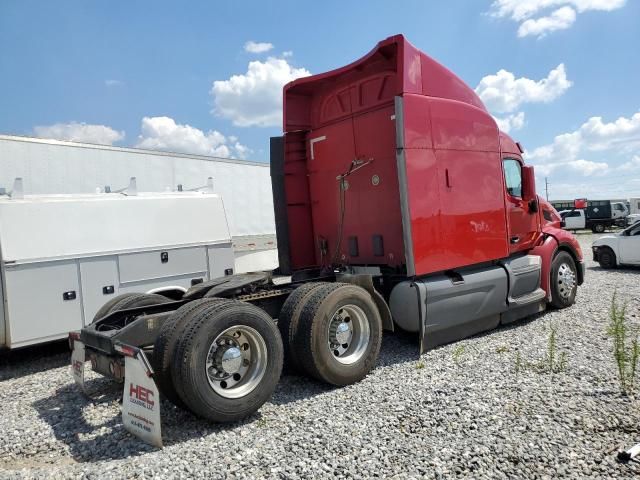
{"x": 63, "y": 256}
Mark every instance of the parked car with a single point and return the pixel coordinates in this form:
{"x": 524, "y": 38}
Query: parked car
{"x": 621, "y": 248}
{"x": 633, "y": 218}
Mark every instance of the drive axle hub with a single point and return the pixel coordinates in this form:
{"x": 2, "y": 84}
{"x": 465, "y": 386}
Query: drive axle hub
{"x": 236, "y": 361}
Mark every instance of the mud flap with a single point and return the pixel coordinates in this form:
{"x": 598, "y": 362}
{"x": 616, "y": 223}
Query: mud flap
{"x": 78, "y": 360}
{"x": 141, "y": 399}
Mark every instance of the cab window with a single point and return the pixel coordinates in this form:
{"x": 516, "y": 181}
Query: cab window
{"x": 572, "y": 213}
{"x": 513, "y": 177}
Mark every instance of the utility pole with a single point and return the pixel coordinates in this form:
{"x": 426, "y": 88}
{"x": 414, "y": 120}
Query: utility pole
{"x": 546, "y": 188}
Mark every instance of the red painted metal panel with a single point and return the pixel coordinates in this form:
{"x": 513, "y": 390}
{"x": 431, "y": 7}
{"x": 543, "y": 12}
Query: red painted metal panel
{"x": 424, "y": 205}
{"x": 439, "y": 81}
{"x": 460, "y": 126}
{"x": 372, "y": 205}
{"x": 417, "y": 122}
{"x": 473, "y": 217}
{"x": 546, "y": 250}
{"x": 508, "y": 146}
{"x": 452, "y": 152}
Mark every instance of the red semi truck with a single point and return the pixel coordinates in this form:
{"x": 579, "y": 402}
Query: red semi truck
{"x": 398, "y": 203}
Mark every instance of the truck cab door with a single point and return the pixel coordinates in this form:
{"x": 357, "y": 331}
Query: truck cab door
{"x": 629, "y": 246}
{"x": 523, "y": 223}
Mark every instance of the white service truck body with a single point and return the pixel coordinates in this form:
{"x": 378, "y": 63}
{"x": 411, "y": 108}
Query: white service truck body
{"x": 63, "y": 256}
{"x": 59, "y": 167}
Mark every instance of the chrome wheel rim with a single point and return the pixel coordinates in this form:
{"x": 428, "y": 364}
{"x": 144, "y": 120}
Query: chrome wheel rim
{"x": 566, "y": 280}
{"x": 348, "y": 334}
{"x": 236, "y": 361}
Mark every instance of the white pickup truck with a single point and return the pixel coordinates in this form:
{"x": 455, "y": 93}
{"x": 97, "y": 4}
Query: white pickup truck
{"x": 576, "y": 219}
{"x": 621, "y": 248}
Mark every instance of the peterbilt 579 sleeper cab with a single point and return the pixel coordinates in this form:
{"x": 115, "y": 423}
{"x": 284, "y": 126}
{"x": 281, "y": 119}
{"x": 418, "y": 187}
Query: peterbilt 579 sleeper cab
{"x": 398, "y": 202}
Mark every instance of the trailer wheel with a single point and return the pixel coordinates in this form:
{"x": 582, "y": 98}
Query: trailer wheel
{"x": 165, "y": 346}
{"x": 289, "y": 319}
{"x": 339, "y": 336}
{"x": 564, "y": 284}
{"x": 606, "y": 258}
{"x": 129, "y": 300}
{"x": 228, "y": 361}
{"x": 598, "y": 228}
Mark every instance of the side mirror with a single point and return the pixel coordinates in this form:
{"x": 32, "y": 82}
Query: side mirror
{"x": 529, "y": 188}
{"x": 528, "y": 183}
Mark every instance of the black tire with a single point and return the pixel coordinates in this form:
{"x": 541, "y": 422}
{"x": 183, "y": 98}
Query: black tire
{"x": 129, "y": 300}
{"x": 606, "y": 258}
{"x": 165, "y": 346}
{"x": 598, "y": 228}
{"x": 289, "y": 319}
{"x": 188, "y": 368}
{"x": 312, "y": 337}
{"x": 564, "y": 286}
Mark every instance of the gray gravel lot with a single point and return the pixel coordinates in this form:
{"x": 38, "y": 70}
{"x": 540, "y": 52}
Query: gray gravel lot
{"x": 459, "y": 411}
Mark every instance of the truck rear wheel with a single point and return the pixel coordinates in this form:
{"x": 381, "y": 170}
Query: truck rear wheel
{"x": 228, "y": 361}
{"x": 564, "y": 284}
{"x": 129, "y": 300}
{"x": 339, "y": 336}
{"x": 606, "y": 258}
{"x": 289, "y": 319}
{"x": 598, "y": 228}
{"x": 165, "y": 346}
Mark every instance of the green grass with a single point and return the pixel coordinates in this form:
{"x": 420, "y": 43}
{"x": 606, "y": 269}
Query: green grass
{"x": 626, "y": 349}
{"x": 458, "y": 352}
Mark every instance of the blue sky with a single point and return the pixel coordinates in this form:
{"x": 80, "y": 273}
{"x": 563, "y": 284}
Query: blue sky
{"x": 562, "y": 75}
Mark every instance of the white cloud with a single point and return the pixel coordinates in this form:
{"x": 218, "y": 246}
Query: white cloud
{"x": 510, "y": 122}
{"x": 255, "y": 97}
{"x": 113, "y": 83}
{"x": 80, "y": 132}
{"x": 560, "y": 19}
{"x": 632, "y": 165}
{"x": 587, "y": 167}
{"x": 523, "y": 11}
{"x": 503, "y": 92}
{"x": 257, "y": 47}
{"x": 287, "y": 54}
{"x": 606, "y": 174}
{"x": 621, "y": 135}
{"x": 163, "y": 133}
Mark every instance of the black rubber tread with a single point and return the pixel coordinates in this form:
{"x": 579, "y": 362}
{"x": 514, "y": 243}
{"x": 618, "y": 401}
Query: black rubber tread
{"x": 556, "y": 299}
{"x": 598, "y": 228}
{"x": 310, "y": 340}
{"x": 165, "y": 345}
{"x": 106, "y": 308}
{"x": 187, "y": 369}
{"x": 129, "y": 300}
{"x": 607, "y": 258}
{"x": 289, "y": 318}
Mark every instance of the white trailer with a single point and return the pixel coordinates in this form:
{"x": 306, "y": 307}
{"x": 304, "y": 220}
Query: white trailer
{"x": 58, "y": 167}
{"x": 63, "y": 256}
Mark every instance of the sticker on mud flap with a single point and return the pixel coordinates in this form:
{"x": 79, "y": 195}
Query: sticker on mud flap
{"x": 141, "y": 402}
{"x": 77, "y": 363}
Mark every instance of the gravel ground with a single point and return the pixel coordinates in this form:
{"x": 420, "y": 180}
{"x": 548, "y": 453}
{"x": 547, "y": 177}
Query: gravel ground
{"x": 463, "y": 410}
